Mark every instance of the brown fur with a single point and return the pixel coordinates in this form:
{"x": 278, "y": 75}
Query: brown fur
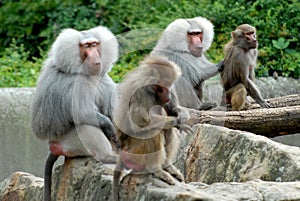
{"x": 237, "y": 96}
{"x": 240, "y": 61}
{"x": 146, "y": 123}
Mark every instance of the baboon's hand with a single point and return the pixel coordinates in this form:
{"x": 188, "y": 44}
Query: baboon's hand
{"x": 107, "y": 127}
{"x": 183, "y": 115}
{"x": 264, "y": 104}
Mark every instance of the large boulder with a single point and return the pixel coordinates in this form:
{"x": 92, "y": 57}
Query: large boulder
{"x": 22, "y": 186}
{"x": 82, "y": 179}
{"x": 218, "y": 154}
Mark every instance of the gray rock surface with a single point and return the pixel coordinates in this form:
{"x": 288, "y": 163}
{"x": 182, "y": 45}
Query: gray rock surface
{"x": 91, "y": 181}
{"x": 22, "y": 186}
{"x": 219, "y": 154}
{"x": 282, "y": 86}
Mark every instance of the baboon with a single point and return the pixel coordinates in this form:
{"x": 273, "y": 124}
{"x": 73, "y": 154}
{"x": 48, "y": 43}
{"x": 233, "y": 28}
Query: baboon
{"x": 146, "y": 116}
{"x": 238, "y": 74}
{"x": 184, "y": 41}
{"x": 71, "y": 106}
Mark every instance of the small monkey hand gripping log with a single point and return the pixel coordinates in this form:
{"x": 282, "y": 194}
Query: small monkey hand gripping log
{"x": 72, "y": 103}
{"x": 146, "y": 116}
{"x": 184, "y": 41}
{"x": 238, "y": 74}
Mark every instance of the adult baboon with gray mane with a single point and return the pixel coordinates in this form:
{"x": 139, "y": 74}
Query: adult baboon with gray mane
{"x": 71, "y": 105}
{"x": 184, "y": 41}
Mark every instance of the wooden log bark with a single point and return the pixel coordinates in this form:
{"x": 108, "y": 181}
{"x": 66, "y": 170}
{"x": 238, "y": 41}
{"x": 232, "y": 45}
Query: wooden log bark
{"x": 267, "y": 122}
{"x": 284, "y": 101}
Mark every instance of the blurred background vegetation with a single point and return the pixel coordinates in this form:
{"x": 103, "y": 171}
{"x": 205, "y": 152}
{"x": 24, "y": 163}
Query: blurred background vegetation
{"x": 28, "y": 28}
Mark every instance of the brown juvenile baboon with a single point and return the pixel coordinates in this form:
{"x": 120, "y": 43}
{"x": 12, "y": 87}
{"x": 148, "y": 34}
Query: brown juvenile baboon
{"x": 184, "y": 41}
{"x": 71, "y": 105}
{"x": 145, "y": 116}
{"x": 238, "y": 74}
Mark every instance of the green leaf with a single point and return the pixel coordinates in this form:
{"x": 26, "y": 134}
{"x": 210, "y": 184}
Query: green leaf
{"x": 281, "y": 43}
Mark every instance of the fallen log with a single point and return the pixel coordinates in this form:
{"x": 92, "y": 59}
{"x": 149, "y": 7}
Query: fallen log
{"x": 283, "y": 101}
{"x": 270, "y": 122}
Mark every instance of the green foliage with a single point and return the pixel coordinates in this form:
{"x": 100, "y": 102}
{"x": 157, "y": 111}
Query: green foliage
{"x": 289, "y": 62}
{"x": 125, "y": 64}
{"x": 35, "y": 24}
{"x": 16, "y": 70}
{"x": 281, "y": 43}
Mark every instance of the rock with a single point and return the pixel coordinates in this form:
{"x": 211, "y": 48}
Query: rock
{"x": 22, "y": 186}
{"x": 82, "y": 179}
{"x": 218, "y": 154}
{"x": 282, "y": 86}
{"x": 144, "y": 187}
{"x": 253, "y": 190}
{"x": 97, "y": 187}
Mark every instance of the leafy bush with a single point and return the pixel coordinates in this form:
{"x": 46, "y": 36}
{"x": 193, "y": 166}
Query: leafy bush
{"x": 273, "y": 20}
{"x": 125, "y": 64}
{"x": 16, "y": 69}
{"x": 35, "y": 24}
